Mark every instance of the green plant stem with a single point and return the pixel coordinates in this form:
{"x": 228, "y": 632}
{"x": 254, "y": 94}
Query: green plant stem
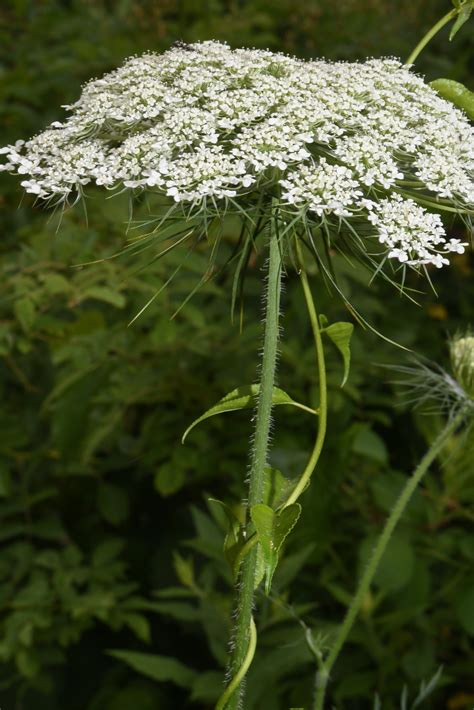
{"x": 242, "y": 639}
{"x": 429, "y": 35}
{"x": 377, "y": 553}
{"x": 323, "y": 399}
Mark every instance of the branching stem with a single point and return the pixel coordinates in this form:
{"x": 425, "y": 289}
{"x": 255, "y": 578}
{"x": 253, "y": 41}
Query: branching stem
{"x": 430, "y": 34}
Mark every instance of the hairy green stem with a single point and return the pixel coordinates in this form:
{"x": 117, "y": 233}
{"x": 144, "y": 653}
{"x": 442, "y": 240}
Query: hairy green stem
{"x": 429, "y": 35}
{"x": 323, "y": 399}
{"x": 377, "y": 553}
{"x": 243, "y": 639}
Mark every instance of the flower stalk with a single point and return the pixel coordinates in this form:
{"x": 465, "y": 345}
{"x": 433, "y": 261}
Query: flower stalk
{"x": 367, "y": 578}
{"x": 431, "y": 33}
{"x": 244, "y": 632}
{"x": 323, "y": 398}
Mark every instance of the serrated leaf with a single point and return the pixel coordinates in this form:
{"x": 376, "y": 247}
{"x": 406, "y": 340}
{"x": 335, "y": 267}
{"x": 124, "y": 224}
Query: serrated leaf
{"x": 463, "y": 16}
{"x": 244, "y": 398}
{"x": 159, "y": 668}
{"x": 456, "y": 93}
{"x": 340, "y": 334}
{"x": 272, "y": 530}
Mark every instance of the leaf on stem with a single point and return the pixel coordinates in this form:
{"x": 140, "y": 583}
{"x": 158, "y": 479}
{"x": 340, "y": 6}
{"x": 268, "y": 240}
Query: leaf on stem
{"x": 465, "y": 10}
{"x": 244, "y": 398}
{"x": 272, "y": 530}
{"x": 233, "y": 541}
{"x": 340, "y": 333}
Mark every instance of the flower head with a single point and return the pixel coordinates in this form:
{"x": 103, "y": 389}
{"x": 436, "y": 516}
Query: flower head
{"x": 462, "y": 362}
{"x": 333, "y": 141}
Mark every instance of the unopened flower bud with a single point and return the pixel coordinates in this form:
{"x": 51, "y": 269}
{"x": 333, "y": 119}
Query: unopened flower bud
{"x": 462, "y": 361}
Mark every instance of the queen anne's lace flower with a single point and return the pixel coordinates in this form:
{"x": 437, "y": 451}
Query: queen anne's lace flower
{"x": 332, "y": 141}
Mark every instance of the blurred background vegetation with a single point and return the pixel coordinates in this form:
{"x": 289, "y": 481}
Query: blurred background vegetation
{"x": 108, "y": 540}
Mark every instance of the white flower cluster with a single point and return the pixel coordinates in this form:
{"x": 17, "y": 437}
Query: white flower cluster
{"x": 204, "y": 122}
{"x": 412, "y": 235}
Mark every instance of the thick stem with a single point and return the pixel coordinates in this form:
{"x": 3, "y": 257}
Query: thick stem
{"x": 429, "y": 35}
{"x": 323, "y": 398}
{"x": 243, "y": 624}
{"x": 377, "y": 553}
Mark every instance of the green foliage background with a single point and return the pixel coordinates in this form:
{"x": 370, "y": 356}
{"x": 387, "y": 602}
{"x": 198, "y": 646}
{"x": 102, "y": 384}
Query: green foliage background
{"x": 108, "y": 538}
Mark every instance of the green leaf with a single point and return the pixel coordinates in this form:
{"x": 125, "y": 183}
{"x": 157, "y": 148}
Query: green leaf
{"x": 159, "y": 668}
{"x": 25, "y": 313}
{"x": 105, "y": 294}
{"x": 397, "y": 565}
{"x": 208, "y": 687}
{"x": 55, "y": 284}
{"x": 340, "y": 334}
{"x": 233, "y": 541}
{"x": 370, "y": 445}
{"x": 456, "y": 93}
{"x": 463, "y": 16}
{"x": 277, "y": 487}
{"x": 244, "y": 398}
{"x": 272, "y": 530}
{"x": 112, "y": 502}
{"x": 184, "y": 570}
{"x": 169, "y": 478}
{"x": 139, "y": 625}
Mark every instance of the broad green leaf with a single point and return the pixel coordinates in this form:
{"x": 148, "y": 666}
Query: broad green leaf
{"x": 138, "y": 623}
{"x": 107, "y": 552}
{"x": 169, "y": 478}
{"x": 55, "y": 284}
{"x": 112, "y": 502}
{"x": 457, "y": 93}
{"x": 340, "y": 334}
{"x": 244, "y": 398}
{"x": 106, "y": 294}
{"x": 25, "y": 313}
{"x": 159, "y": 668}
{"x": 396, "y": 566}
{"x": 272, "y": 530}
{"x": 370, "y": 445}
{"x": 463, "y": 16}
